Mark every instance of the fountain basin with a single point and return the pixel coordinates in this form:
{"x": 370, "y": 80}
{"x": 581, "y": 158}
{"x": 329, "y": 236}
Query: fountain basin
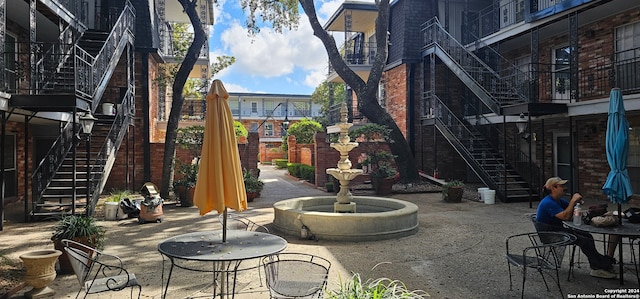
{"x": 377, "y": 218}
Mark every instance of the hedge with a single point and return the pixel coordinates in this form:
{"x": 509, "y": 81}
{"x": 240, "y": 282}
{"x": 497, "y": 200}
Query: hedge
{"x": 302, "y": 171}
{"x": 281, "y": 163}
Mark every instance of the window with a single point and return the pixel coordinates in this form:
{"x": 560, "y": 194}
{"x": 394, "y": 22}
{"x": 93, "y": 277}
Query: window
{"x": 10, "y": 62}
{"x": 254, "y": 108}
{"x": 235, "y": 107}
{"x": 561, "y": 76}
{"x": 10, "y": 171}
{"x": 268, "y": 107}
{"x": 382, "y": 94}
{"x": 633, "y": 159}
{"x": 268, "y": 129}
{"x": 627, "y": 55}
{"x": 253, "y": 127}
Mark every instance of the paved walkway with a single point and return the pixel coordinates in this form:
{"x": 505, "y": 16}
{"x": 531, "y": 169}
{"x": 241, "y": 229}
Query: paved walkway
{"x": 458, "y": 251}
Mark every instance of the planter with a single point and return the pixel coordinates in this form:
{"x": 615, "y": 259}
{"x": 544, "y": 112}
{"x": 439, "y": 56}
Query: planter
{"x": 40, "y": 272}
{"x": 383, "y": 186}
{"x": 252, "y": 195}
{"x": 454, "y": 194}
{"x": 186, "y": 199}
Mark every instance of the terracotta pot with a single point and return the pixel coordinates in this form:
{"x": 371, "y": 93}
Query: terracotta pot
{"x": 187, "y": 199}
{"x": 454, "y": 194}
{"x": 40, "y": 271}
{"x": 383, "y": 186}
{"x": 252, "y": 195}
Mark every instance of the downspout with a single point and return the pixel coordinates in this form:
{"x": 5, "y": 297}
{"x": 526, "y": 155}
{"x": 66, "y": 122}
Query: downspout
{"x": 146, "y": 146}
{"x": 411, "y": 112}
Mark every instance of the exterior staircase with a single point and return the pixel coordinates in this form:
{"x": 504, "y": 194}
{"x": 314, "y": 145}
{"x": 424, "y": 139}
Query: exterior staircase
{"x": 59, "y": 183}
{"x": 502, "y": 168}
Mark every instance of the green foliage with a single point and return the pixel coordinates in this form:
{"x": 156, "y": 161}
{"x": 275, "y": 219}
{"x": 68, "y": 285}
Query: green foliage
{"x": 221, "y": 63}
{"x": 294, "y": 169}
{"x": 380, "y": 162}
{"x": 239, "y": 129}
{"x": 251, "y": 181}
{"x": 450, "y": 184}
{"x": 327, "y": 94}
{"x": 308, "y": 173}
{"x": 304, "y": 130}
{"x": 380, "y": 288}
{"x": 191, "y": 139}
{"x": 281, "y": 163}
{"x": 117, "y": 195}
{"x": 188, "y": 174}
{"x": 77, "y": 226}
{"x": 282, "y": 14}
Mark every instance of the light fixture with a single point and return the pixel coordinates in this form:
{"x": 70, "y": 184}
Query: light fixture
{"x": 285, "y": 122}
{"x": 86, "y": 122}
{"x": 521, "y": 123}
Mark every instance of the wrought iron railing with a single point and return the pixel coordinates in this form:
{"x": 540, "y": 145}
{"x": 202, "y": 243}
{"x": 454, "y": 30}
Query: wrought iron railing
{"x": 46, "y": 169}
{"x": 106, "y": 156}
{"x": 355, "y": 54}
{"x": 500, "y": 88}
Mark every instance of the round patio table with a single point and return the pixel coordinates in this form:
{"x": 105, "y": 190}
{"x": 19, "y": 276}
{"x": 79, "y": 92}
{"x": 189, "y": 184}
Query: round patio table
{"x": 624, "y": 230}
{"x": 191, "y": 251}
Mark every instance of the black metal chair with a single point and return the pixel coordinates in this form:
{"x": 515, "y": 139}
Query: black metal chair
{"x": 541, "y": 251}
{"x": 296, "y": 275}
{"x": 98, "y": 272}
{"x": 544, "y": 227}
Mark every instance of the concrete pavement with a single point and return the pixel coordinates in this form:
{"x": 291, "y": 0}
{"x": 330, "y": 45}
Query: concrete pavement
{"x": 458, "y": 251}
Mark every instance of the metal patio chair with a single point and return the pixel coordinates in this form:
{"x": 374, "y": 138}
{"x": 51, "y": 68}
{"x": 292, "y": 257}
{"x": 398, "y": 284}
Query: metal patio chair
{"x": 296, "y": 275}
{"x": 98, "y": 272}
{"x": 539, "y": 251}
{"x": 542, "y": 227}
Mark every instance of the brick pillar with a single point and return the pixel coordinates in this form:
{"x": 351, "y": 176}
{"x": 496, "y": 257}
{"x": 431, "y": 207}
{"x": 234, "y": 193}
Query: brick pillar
{"x": 292, "y": 150}
{"x": 249, "y": 152}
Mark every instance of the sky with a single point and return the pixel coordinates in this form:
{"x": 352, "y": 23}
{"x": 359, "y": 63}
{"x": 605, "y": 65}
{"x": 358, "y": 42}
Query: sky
{"x": 294, "y": 62}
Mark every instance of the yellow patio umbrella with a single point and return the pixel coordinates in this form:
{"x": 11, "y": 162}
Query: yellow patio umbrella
{"x": 219, "y": 184}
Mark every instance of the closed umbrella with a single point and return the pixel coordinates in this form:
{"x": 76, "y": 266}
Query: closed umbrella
{"x": 219, "y": 184}
{"x": 618, "y": 185}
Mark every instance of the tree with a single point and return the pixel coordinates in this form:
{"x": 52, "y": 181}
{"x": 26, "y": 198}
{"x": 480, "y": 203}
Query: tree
{"x": 281, "y": 14}
{"x": 326, "y": 95}
{"x": 304, "y": 130}
{"x": 366, "y": 91}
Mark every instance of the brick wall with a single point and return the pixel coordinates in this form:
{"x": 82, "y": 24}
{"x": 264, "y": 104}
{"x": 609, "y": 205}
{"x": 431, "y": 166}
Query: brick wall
{"x": 395, "y": 81}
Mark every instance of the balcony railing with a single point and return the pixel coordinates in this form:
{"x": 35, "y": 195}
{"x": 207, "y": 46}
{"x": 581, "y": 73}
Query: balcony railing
{"x": 358, "y": 54}
{"x": 506, "y": 13}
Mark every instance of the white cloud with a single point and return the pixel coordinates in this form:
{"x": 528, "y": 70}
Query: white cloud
{"x": 230, "y": 87}
{"x": 271, "y": 54}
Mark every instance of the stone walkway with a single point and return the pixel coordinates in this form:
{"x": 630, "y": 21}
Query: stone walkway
{"x": 458, "y": 251}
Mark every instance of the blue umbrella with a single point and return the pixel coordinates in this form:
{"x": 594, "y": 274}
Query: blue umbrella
{"x": 618, "y": 185}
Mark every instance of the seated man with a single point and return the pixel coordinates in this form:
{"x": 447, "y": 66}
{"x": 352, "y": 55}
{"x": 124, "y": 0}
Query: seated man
{"x": 553, "y": 209}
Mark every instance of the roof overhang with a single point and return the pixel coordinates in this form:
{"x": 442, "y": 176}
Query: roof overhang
{"x": 363, "y": 17}
{"x": 175, "y": 13}
{"x": 49, "y": 103}
{"x": 360, "y": 70}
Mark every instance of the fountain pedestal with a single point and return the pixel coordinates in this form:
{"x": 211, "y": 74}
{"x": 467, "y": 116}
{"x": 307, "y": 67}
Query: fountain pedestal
{"x": 40, "y": 272}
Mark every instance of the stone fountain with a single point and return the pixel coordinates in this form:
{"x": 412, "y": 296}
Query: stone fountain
{"x": 336, "y": 218}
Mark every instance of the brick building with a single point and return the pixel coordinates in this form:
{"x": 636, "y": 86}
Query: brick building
{"x": 506, "y": 93}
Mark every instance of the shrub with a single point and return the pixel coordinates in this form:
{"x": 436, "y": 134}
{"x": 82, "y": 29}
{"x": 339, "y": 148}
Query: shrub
{"x": 281, "y": 163}
{"x": 294, "y": 169}
{"x": 308, "y": 173}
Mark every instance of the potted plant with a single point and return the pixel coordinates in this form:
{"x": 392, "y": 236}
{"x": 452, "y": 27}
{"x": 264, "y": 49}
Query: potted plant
{"x": 252, "y": 184}
{"x": 185, "y": 186}
{"x": 80, "y": 228}
{"x": 189, "y": 138}
{"x": 379, "y": 163}
{"x": 452, "y": 191}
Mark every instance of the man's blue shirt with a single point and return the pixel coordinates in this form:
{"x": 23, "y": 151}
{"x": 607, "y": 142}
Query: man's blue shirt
{"x": 548, "y": 208}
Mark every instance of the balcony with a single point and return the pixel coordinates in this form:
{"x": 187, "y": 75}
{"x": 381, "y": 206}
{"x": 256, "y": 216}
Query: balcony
{"x": 359, "y": 57}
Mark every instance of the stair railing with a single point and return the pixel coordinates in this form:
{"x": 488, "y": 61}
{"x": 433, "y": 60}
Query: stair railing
{"x": 456, "y": 132}
{"x": 50, "y": 63}
{"x": 49, "y": 165}
{"x": 486, "y": 77}
{"x": 85, "y": 64}
{"x": 105, "y": 158}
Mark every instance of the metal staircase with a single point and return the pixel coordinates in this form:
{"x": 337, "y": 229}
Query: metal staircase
{"x": 502, "y": 168}
{"x": 59, "y": 183}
